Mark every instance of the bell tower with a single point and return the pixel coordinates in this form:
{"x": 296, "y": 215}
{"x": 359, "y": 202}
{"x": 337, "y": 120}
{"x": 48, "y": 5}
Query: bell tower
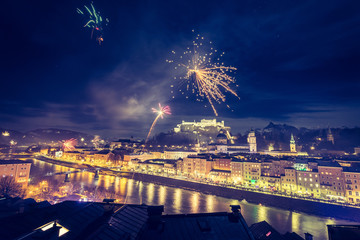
{"x": 292, "y": 144}
{"x": 252, "y": 141}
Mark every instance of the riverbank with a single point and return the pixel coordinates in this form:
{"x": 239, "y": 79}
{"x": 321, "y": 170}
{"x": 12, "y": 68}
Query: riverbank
{"x": 287, "y": 203}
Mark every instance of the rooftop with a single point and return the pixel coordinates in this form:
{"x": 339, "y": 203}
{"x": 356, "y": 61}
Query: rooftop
{"x": 4, "y": 162}
{"x": 94, "y": 220}
{"x": 328, "y": 164}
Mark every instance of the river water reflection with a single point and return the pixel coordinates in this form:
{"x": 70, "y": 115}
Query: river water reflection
{"x": 178, "y": 200}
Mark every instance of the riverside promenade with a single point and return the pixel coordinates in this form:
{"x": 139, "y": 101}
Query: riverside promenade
{"x": 291, "y": 203}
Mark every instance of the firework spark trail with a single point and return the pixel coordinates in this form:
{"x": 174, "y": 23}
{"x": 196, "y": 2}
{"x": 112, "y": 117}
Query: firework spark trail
{"x": 160, "y": 114}
{"x": 205, "y": 74}
{"x": 95, "y": 21}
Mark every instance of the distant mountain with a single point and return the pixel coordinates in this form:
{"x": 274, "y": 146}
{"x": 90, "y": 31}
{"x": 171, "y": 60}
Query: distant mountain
{"x": 280, "y": 128}
{"x": 278, "y": 135}
{"x": 43, "y": 136}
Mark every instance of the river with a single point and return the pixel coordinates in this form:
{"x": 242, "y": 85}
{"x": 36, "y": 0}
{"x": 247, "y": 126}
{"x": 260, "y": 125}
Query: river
{"x": 177, "y": 200}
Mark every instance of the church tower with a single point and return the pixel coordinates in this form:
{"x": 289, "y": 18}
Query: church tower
{"x": 252, "y": 141}
{"x": 330, "y": 136}
{"x": 292, "y": 144}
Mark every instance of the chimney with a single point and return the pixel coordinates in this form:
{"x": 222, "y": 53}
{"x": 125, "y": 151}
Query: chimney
{"x": 108, "y": 204}
{"x": 308, "y": 236}
{"x": 234, "y": 215}
{"x": 154, "y": 216}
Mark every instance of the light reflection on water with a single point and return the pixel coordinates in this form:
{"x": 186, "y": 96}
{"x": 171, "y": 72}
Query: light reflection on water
{"x": 178, "y": 200}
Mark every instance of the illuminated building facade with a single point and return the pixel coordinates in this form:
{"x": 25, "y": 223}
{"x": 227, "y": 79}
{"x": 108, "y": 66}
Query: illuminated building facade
{"x": 20, "y": 170}
{"x": 203, "y": 125}
{"x": 197, "y": 166}
{"x": 289, "y": 181}
{"x": 236, "y": 168}
{"x": 352, "y": 184}
{"x": 177, "y": 154}
{"x": 308, "y": 183}
{"x": 332, "y": 182}
{"x": 222, "y": 163}
{"x": 252, "y": 172}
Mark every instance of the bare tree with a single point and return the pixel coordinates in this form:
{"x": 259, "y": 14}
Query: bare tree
{"x": 10, "y": 188}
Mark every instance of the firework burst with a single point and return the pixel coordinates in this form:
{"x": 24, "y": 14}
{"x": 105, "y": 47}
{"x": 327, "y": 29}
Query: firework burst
{"x": 69, "y": 145}
{"x": 203, "y": 73}
{"x": 94, "y": 21}
{"x": 161, "y": 111}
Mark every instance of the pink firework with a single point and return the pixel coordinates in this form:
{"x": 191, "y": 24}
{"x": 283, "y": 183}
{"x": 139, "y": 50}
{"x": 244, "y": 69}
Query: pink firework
{"x": 162, "y": 110}
{"x": 160, "y": 113}
{"x": 69, "y": 145}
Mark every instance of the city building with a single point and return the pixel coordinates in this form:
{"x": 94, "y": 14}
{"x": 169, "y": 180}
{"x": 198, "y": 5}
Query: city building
{"x": 237, "y": 172}
{"x": 332, "y": 182}
{"x": 103, "y": 157}
{"x": 222, "y": 163}
{"x": 197, "y": 165}
{"x": 270, "y": 183}
{"x": 352, "y": 183}
{"x": 267, "y": 169}
{"x": 72, "y": 155}
{"x": 308, "y": 183}
{"x": 279, "y": 166}
{"x": 204, "y": 125}
{"x": 175, "y": 154}
{"x": 289, "y": 181}
{"x": 18, "y": 169}
{"x": 221, "y": 176}
{"x": 167, "y": 166}
{"x": 252, "y": 172}
{"x": 140, "y": 156}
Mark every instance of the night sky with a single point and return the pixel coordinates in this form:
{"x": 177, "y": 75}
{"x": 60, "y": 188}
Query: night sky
{"x": 297, "y": 63}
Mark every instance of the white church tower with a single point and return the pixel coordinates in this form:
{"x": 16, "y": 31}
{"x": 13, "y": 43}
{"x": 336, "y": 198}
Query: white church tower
{"x": 252, "y": 141}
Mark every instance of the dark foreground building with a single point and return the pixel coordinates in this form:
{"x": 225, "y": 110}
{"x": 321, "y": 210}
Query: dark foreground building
{"x": 110, "y": 221}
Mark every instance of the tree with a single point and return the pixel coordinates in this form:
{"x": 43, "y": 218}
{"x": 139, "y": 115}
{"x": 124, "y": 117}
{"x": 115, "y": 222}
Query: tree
{"x": 10, "y": 188}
